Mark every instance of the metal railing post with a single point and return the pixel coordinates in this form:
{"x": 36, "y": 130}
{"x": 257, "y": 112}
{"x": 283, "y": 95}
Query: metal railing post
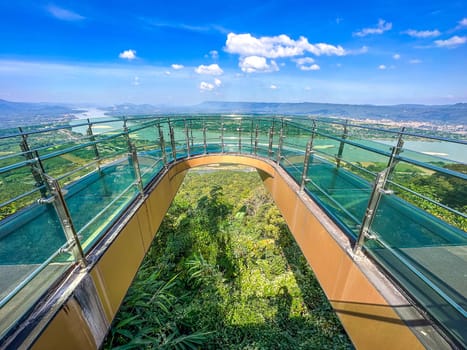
{"x": 134, "y": 158}
{"x": 342, "y": 143}
{"x": 395, "y": 151}
{"x": 187, "y": 136}
{"x": 281, "y": 143}
{"x": 91, "y": 136}
{"x": 137, "y": 169}
{"x": 162, "y": 144}
{"x": 239, "y": 129}
{"x": 376, "y": 193}
{"x": 251, "y": 135}
{"x": 306, "y": 164}
{"x": 222, "y": 137}
{"x": 271, "y": 139}
{"x": 61, "y": 208}
{"x": 28, "y": 154}
{"x": 172, "y": 141}
{"x": 204, "y": 139}
{"x": 256, "y": 140}
{"x": 191, "y": 134}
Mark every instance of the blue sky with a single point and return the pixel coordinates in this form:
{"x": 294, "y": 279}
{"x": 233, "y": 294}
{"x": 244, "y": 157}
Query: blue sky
{"x": 186, "y": 52}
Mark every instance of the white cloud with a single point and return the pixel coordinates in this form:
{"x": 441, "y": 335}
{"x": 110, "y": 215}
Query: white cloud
{"x": 396, "y": 56}
{"x": 423, "y": 33}
{"x": 306, "y": 64}
{"x": 304, "y": 60}
{"x": 277, "y": 46}
{"x": 253, "y": 64}
{"x": 214, "y": 54}
{"x": 177, "y": 66}
{"x": 212, "y": 69}
{"x": 136, "y": 81}
{"x": 204, "y": 86}
{"x": 462, "y": 23}
{"x": 312, "y": 67}
{"x": 415, "y": 61}
{"x": 451, "y": 42}
{"x": 128, "y": 54}
{"x": 382, "y": 67}
{"x": 273, "y": 87}
{"x": 64, "y": 14}
{"x": 167, "y": 72}
{"x": 217, "y": 82}
{"x": 382, "y": 27}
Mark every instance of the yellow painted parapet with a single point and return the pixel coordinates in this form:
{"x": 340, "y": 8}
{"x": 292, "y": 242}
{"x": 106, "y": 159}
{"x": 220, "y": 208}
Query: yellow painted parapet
{"x": 367, "y": 304}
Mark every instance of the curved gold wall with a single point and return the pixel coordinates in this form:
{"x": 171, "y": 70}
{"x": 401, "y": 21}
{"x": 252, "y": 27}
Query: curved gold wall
{"x": 366, "y": 303}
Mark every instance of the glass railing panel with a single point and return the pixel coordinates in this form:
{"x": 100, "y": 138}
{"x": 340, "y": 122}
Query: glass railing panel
{"x": 111, "y": 147}
{"x": 362, "y": 161}
{"x": 343, "y": 194}
{"x": 95, "y": 201}
{"x": 99, "y": 126}
{"x": 441, "y": 194}
{"x": 292, "y": 162}
{"x": 296, "y": 137}
{"x": 145, "y": 137}
{"x": 427, "y": 257}
{"x": 435, "y": 151}
{"x": 326, "y": 147}
{"x": 69, "y": 162}
{"x": 31, "y": 259}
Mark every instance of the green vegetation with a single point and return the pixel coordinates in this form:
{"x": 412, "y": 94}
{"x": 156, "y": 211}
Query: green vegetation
{"x": 225, "y": 273}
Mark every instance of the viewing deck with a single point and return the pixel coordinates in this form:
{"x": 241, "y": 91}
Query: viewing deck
{"x": 67, "y": 188}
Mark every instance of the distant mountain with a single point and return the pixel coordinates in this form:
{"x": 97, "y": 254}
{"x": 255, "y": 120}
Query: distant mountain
{"x": 25, "y": 113}
{"x": 20, "y": 113}
{"x": 456, "y": 113}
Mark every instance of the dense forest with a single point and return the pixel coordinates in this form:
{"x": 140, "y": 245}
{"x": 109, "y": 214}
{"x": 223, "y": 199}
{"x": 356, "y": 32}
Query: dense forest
{"x": 224, "y": 272}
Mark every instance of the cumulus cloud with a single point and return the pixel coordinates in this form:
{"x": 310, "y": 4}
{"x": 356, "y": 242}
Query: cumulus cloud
{"x": 451, "y": 42}
{"x": 64, "y": 14}
{"x": 396, "y": 56}
{"x": 204, "y": 86}
{"x": 214, "y": 54}
{"x": 212, "y": 69}
{"x": 253, "y": 64}
{"x": 177, "y": 66}
{"x": 273, "y": 87}
{"x": 217, "y": 82}
{"x": 277, "y": 46}
{"x": 128, "y": 55}
{"x": 382, "y": 67}
{"x": 423, "y": 33}
{"x": 306, "y": 64}
{"x": 382, "y": 27}
{"x": 462, "y": 23}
